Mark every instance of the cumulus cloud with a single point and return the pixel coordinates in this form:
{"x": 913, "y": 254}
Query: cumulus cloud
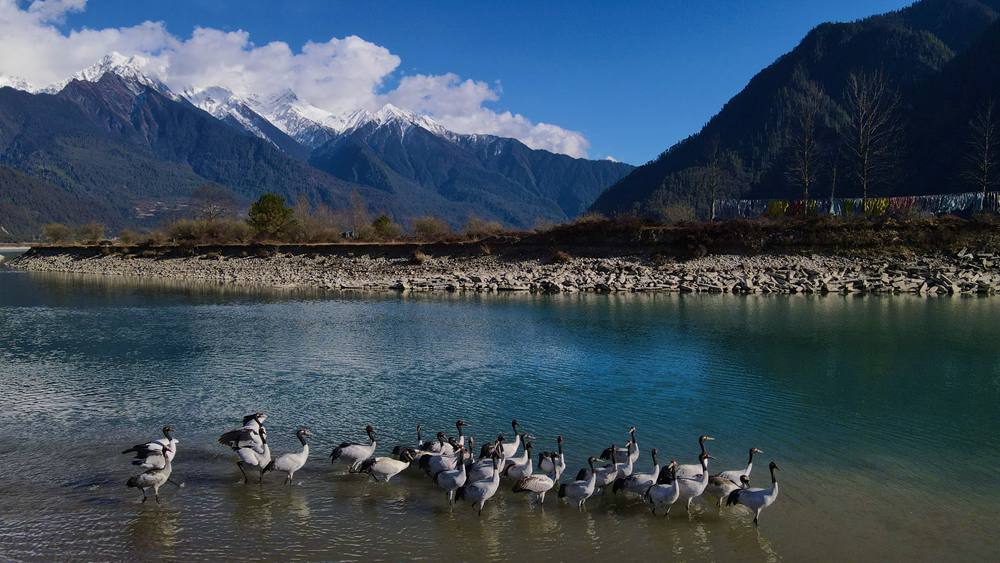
{"x": 458, "y": 105}
{"x": 339, "y": 75}
{"x": 55, "y": 10}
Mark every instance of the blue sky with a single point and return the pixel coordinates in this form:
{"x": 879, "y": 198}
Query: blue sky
{"x": 632, "y": 77}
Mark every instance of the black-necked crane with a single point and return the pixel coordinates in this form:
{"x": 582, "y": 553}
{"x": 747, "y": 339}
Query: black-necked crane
{"x": 756, "y": 499}
{"x": 352, "y": 454}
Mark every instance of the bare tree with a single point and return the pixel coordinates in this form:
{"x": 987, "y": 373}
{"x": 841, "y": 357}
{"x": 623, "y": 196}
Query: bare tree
{"x": 805, "y": 149}
{"x": 212, "y": 202}
{"x": 873, "y": 127}
{"x": 981, "y": 168}
{"x": 712, "y": 173}
{"x": 834, "y": 167}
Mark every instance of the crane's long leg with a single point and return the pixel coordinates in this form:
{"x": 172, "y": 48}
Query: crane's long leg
{"x": 243, "y": 471}
{"x": 143, "y": 494}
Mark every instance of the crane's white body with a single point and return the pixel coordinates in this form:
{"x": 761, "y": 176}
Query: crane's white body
{"x": 352, "y": 455}
{"x": 152, "y": 479}
{"x": 579, "y": 491}
{"x": 478, "y": 492}
{"x": 452, "y": 480}
{"x": 539, "y": 483}
{"x": 639, "y": 483}
{"x": 756, "y": 499}
{"x": 663, "y": 496}
{"x": 383, "y": 468}
{"x": 692, "y": 487}
{"x": 291, "y": 462}
{"x": 723, "y": 483}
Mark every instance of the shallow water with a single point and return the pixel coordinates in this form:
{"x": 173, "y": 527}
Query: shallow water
{"x": 882, "y": 412}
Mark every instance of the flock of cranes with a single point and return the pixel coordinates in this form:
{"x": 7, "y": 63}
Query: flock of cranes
{"x": 453, "y": 466}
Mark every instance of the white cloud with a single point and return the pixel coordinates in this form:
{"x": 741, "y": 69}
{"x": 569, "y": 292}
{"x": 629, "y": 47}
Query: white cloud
{"x": 55, "y": 10}
{"x": 338, "y": 75}
{"x": 458, "y": 105}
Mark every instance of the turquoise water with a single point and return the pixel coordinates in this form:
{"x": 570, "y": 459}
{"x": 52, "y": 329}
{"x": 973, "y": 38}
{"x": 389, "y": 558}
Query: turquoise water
{"x": 882, "y": 412}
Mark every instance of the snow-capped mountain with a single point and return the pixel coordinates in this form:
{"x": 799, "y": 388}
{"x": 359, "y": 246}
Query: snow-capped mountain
{"x": 236, "y": 112}
{"x": 400, "y": 162}
{"x": 394, "y": 117}
{"x": 135, "y": 71}
{"x": 302, "y": 121}
{"x": 17, "y": 83}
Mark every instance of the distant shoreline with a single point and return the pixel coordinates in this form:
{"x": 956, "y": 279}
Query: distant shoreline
{"x": 940, "y": 256}
{"x": 968, "y": 273}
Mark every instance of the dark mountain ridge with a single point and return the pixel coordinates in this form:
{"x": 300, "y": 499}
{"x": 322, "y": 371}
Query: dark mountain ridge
{"x": 112, "y": 146}
{"x": 746, "y": 149}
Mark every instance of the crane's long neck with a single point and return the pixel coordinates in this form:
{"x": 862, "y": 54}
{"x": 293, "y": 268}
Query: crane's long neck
{"x": 774, "y": 483}
{"x": 749, "y": 464}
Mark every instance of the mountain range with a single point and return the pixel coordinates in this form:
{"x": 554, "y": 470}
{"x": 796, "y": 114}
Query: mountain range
{"x": 939, "y": 58}
{"x": 116, "y": 145}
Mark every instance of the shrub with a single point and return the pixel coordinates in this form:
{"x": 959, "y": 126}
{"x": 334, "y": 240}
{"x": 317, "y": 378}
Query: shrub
{"x": 219, "y": 231}
{"x": 57, "y": 233}
{"x": 590, "y": 217}
{"x": 479, "y": 228}
{"x": 385, "y": 228}
{"x": 430, "y": 228}
{"x": 678, "y": 213}
{"x": 270, "y": 216}
{"x": 310, "y": 224}
{"x": 155, "y": 238}
{"x": 418, "y": 257}
{"x": 129, "y": 236}
{"x": 561, "y": 257}
{"x": 90, "y": 233}
{"x": 543, "y": 225}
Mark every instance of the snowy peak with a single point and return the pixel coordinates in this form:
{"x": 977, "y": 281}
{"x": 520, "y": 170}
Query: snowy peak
{"x": 392, "y": 116}
{"x": 134, "y": 71}
{"x": 17, "y": 83}
{"x": 304, "y": 122}
{"x": 216, "y": 100}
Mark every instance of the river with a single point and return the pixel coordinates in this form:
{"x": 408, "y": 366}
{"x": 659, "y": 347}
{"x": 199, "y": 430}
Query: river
{"x": 882, "y": 413}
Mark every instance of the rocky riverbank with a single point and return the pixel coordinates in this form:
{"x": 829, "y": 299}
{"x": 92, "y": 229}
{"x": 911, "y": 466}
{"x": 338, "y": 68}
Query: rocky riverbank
{"x": 963, "y": 273}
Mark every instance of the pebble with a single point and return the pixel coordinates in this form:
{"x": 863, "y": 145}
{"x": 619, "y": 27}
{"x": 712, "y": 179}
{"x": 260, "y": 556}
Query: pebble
{"x": 966, "y": 273}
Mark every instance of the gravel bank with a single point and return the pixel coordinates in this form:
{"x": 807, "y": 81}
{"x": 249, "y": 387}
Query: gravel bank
{"x": 964, "y": 273}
